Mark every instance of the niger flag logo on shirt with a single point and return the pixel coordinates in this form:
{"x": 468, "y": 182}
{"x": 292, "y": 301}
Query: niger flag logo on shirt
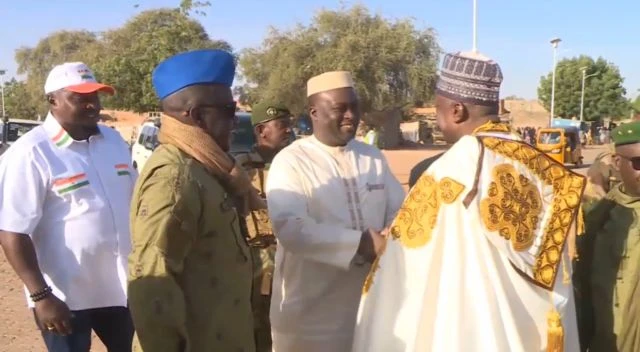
{"x": 68, "y": 184}
{"x": 122, "y": 169}
{"x": 62, "y": 139}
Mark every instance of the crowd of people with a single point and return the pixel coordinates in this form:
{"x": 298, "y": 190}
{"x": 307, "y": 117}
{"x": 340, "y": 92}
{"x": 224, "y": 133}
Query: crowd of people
{"x": 313, "y": 245}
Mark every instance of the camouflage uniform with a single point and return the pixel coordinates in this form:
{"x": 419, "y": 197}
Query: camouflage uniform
{"x": 259, "y": 231}
{"x": 601, "y": 178}
{"x": 263, "y": 249}
{"x": 190, "y": 266}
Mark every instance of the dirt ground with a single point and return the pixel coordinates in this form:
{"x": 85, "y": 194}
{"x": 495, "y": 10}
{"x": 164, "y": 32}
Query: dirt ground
{"x": 18, "y": 332}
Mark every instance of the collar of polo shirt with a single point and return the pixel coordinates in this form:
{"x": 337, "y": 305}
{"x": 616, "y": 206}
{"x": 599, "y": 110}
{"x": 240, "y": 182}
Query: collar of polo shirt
{"x": 57, "y": 134}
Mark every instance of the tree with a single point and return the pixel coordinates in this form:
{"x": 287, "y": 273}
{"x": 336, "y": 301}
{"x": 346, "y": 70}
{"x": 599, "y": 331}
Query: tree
{"x": 635, "y": 105}
{"x": 124, "y": 57}
{"x": 241, "y": 95}
{"x": 129, "y": 54}
{"x": 18, "y": 101}
{"x": 56, "y": 48}
{"x": 393, "y": 63}
{"x": 189, "y": 6}
{"x": 604, "y": 93}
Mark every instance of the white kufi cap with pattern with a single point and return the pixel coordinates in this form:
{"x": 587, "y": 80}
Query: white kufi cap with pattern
{"x": 470, "y": 77}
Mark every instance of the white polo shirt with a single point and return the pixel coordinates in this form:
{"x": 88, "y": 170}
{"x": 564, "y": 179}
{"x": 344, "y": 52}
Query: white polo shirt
{"x": 72, "y": 198}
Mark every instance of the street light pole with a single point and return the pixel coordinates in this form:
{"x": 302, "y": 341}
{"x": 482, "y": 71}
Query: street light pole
{"x": 4, "y": 112}
{"x": 475, "y": 26}
{"x": 554, "y": 43}
{"x": 584, "y": 79}
{"x": 5, "y": 124}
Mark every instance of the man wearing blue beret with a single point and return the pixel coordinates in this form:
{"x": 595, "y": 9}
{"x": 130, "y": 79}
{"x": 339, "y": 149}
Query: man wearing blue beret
{"x": 190, "y": 270}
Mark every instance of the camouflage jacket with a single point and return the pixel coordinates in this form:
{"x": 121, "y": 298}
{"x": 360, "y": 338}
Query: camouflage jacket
{"x": 258, "y": 225}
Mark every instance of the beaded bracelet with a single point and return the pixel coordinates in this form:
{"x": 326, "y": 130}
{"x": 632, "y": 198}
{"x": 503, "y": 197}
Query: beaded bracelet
{"x": 40, "y": 295}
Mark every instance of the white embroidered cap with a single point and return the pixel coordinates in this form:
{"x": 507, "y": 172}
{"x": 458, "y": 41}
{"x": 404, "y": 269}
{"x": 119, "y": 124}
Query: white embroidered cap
{"x": 75, "y": 77}
{"x": 328, "y": 81}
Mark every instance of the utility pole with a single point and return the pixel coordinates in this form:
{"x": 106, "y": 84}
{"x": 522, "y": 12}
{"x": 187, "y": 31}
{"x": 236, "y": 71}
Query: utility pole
{"x": 584, "y": 79}
{"x": 475, "y": 26}
{"x": 554, "y": 43}
{"x": 5, "y": 120}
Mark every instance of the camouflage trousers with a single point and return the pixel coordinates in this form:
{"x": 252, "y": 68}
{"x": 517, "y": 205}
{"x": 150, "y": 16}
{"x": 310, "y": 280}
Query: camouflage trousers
{"x": 261, "y": 296}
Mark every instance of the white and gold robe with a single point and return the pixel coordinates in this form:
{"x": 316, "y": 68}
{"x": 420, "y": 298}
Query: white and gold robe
{"x": 477, "y": 256}
{"x": 320, "y": 200}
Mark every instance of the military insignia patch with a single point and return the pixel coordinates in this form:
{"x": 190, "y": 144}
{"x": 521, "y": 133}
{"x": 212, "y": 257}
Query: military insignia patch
{"x": 272, "y": 112}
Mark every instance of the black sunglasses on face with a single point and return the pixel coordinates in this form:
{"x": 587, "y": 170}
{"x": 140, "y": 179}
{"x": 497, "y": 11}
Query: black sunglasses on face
{"x": 635, "y": 161}
{"x": 226, "y": 109}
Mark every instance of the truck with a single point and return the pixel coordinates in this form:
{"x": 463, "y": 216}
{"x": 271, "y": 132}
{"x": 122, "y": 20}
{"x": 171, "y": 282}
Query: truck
{"x": 15, "y": 128}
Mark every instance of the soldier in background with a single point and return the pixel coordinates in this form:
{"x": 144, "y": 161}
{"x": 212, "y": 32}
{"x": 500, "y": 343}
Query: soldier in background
{"x": 272, "y": 129}
{"x": 601, "y": 178}
{"x": 606, "y": 275}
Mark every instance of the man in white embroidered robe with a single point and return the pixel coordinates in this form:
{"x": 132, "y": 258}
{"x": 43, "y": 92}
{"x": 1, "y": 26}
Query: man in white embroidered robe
{"x": 329, "y": 198}
{"x": 477, "y": 257}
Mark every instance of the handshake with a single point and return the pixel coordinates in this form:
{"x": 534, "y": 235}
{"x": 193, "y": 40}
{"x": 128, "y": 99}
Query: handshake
{"x": 372, "y": 244}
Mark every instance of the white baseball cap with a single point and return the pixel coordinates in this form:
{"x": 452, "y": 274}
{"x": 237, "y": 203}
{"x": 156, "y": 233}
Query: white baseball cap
{"x": 75, "y": 77}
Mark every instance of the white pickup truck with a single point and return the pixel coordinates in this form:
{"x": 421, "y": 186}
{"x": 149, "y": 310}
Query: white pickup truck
{"x": 16, "y": 129}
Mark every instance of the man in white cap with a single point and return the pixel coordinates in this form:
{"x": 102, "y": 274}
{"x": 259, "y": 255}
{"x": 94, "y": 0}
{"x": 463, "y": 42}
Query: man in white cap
{"x": 65, "y": 189}
{"x": 478, "y": 257}
{"x": 330, "y": 197}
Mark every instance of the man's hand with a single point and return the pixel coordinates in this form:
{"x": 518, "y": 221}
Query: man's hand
{"x": 372, "y": 244}
{"x": 53, "y": 315}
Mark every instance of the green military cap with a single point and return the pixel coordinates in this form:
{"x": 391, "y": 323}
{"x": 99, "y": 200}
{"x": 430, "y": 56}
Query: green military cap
{"x": 629, "y": 133}
{"x": 267, "y": 111}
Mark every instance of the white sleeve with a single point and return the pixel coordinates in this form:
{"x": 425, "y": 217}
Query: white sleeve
{"x": 23, "y": 188}
{"x": 295, "y": 230}
{"x": 395, "y": 194}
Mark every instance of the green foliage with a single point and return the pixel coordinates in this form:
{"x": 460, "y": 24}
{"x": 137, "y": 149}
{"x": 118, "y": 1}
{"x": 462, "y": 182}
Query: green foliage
{"x": 393, "y": 63}
{"x": 189, "y": 6}
{"x": 604, "y": 93}
{"x": 36, "y": 62}
{"x": 18, "y": 101}
{"x": 124, "y": 57}
{"x": 129, "y": 54}
{"x": 635, "y": 105}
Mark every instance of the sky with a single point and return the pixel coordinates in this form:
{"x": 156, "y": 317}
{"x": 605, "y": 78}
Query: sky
{"x": 515, "y": 33}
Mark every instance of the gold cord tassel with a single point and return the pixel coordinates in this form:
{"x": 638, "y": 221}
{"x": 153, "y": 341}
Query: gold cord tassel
{"x": 580, "y": 221}
{"x": 566, "y": 277}
{"x": 555, "y": 332}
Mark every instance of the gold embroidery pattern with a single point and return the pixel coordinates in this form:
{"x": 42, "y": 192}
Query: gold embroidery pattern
{"x": 417, "y": 217}
{"x": 513, "y": 207}
{"x": 368, "y": 282}
{"x": 491, "y": 126}
{"x": 567, "y": 191}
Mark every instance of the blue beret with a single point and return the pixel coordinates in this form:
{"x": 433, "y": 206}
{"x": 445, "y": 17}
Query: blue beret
{"x": 193, "y": 67}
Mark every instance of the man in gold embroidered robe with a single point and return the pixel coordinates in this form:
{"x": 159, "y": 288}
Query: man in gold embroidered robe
{"x": 608, "y": 266}
{"x": 476, "y": 259}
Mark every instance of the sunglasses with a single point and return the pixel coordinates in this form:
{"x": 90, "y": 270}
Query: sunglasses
{"x": 635, "y": 161}
{"x": 226, "y": 109}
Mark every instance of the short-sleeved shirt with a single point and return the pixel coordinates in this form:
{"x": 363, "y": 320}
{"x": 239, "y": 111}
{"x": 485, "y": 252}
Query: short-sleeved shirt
{"x": 73, "y": 198}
